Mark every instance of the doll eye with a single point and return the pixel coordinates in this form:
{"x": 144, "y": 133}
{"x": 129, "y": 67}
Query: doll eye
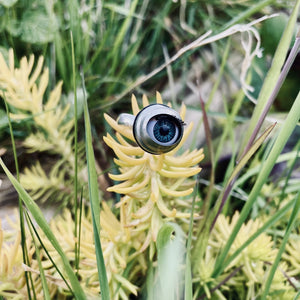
{"x": 157, "y": 129}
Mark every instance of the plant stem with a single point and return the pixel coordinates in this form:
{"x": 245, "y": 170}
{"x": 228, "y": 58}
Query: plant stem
{"x": 275, "y": 91}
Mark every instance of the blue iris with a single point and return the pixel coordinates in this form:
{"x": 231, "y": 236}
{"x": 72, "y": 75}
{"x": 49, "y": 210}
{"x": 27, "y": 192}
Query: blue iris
{"x": 164, "y": 130}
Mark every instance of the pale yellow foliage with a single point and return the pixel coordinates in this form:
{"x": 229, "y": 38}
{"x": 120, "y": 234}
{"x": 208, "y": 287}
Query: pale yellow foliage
{"x": 150, "y": 183}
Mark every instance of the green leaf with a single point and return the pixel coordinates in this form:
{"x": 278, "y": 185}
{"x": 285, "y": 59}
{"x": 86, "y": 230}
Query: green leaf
{"x": 8, "y": 3}
{"x": 188, "y": 291}
{"x": 250, "y": 152}
{"x": 95, "y": 203}
{"x": 14, "y": 27}
{"x": 37, "y": 27}
{"x": 69, "y": 100}
{"x": 165, "y": 235}
{"x": 271, "y": 32}
{"x": 171, "y": 251}
{"x": 38, "y": 258}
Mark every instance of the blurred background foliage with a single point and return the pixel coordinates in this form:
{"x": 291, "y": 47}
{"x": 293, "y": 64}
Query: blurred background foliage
{"x": 118, "y": 42}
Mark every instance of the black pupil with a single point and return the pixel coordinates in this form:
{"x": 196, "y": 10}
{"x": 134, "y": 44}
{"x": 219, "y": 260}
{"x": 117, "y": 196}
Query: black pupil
{"x": 164, "y": 130}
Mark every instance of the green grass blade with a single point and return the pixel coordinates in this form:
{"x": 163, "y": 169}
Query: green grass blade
{"x": 42, "y": 223}
{"x": 230, "y": 182}
{"x": 283, "y": 243}
{"x": 272, "y": 77}
{"x": 254, "y": 8}
{"x": 150, "y": 282}
{"x": 49, "y": 256}
{"x": 250, "y": 152}
{"x": 25, "y": 257}
{"x": 121, "y": 35}
{"x": 188, "y": 286}
{"x": 38, "y": 258}
{"x": 285, "y": 132}
{"x": 95, "y": 204}
{"x": 77, "y": 250}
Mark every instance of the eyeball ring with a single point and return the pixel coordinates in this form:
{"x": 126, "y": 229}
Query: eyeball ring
{"x": 157, "y": 128}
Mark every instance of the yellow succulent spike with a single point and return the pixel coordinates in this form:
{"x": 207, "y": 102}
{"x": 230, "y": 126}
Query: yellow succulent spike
{"x": 121, "y": 163}
{"x": 125, "y": 283}
{"x": 145, "y": 101}
{"x": 44, "y": 78}
{"x": 124, "y": 220}
{"x": 175, "y": 193}
{"x": 131, "y": 161}
{"x": 121, "y": 189}
{"x": 108, "y": 213}
{"x": 122, "y": 140}
{"x": 180, "y": 215}
{"x": 14, "y": 252}
{"x": 18, "y": 116}
{"x": 190, "y": 159}
{"x": 129, "y": 150}
{"x": 111, "y": 232}
{"x": 156, "y": 224}
{"x": 124, "y": 130}
{"x": 134, "y": 105}
{"x": 11, "y": 61}
{"x": 154, "y": 188}
{"x": 182, "y": 111}
{"x": 24, "y": 68}
{"x": 151, "y": 183}
{"x": 164, "y": 209}
{"x": 129, "y": 174}
{"x": 1, "y": 236}
{"x": 177, "y": 183}
{"x": 144, "y": 210}
{"x": 179, "y": 172}
{"x": 113, "y": 264}
{"x": 37, "y": 71}
{"x": 3, "y": 66}
{"x": 119, "y": 259}
{"x": 146, "y": 242}
{"x": 62, "y": 114}
{"x": 128, "y": 183}
{"x": 29, "y": 65}
{"x": 156, "y": 162}
{"x": 54, "y": 97}
{"x": 159, "y": 98}
{"x": 140, "y": 224}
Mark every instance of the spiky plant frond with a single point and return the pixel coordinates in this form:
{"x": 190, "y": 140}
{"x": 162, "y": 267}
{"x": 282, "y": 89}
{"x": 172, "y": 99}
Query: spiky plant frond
{"x": 24, "y": 90}
{"x": 151, "y": 184}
